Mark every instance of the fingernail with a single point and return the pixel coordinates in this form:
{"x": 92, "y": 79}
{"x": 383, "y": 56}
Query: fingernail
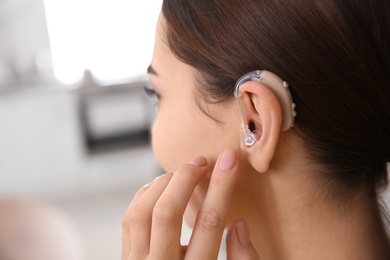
{"x": 242, "y": 233}
{"x": 199, "y": 161}
{"x": 146, "y": 186}
{"x": 228, "y": 160}
{"x": 155, "y": 179}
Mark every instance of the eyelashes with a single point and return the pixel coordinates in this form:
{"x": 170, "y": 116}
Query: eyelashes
{"x": 150, "y": 91}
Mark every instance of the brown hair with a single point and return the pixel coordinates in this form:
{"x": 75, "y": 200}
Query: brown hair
{"x": 335, "y": 54}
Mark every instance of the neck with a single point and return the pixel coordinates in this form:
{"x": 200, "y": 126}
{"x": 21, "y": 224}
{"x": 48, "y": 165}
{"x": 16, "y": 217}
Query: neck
{"x": 293, "y": 220}
{"x": 293, "y": 229}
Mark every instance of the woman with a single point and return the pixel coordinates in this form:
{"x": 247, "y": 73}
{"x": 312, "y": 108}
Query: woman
{"x": 305, "y": 189}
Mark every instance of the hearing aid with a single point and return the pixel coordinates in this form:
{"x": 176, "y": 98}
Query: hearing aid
{"x": 280, "y": 88}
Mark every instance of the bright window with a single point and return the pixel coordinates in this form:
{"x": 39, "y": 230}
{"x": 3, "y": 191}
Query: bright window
{"x": 112, "y": 38}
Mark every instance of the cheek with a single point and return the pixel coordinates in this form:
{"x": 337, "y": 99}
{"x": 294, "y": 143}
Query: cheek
{"x": 170, "y": 142}
{"x": 177, "y": 137}
{"x": 161, "y": 143}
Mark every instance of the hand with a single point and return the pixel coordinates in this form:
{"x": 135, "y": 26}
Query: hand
{"x": 152, "y": 223}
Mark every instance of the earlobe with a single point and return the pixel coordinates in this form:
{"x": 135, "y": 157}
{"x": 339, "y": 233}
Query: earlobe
{"x": 264, "y": 102}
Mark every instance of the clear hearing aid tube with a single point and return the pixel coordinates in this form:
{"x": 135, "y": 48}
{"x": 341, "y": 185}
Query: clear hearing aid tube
{"x": 248, "y": 137}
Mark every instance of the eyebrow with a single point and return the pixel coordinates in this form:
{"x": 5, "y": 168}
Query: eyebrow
{"x": 151, "y": 70}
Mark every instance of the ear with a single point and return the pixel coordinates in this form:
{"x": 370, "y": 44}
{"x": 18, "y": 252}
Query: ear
{"x": 263, "y": 113}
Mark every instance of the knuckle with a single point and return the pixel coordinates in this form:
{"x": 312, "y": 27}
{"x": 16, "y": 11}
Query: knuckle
{"x": 166, "y": 213}
{"x": 125, "y": 222}
{"x": 210, "y": 220}
{"x": 137, "y": 215}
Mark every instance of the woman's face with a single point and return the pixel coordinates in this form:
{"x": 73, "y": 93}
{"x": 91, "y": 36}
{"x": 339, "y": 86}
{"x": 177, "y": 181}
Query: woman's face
{"x": 181, "y": 130}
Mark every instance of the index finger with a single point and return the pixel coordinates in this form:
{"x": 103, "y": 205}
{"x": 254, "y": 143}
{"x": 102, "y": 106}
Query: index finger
{"x": 210, "y": 222}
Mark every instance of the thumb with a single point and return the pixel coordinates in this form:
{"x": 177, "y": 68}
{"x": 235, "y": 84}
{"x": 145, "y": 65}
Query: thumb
{"x": 238, "y": 243}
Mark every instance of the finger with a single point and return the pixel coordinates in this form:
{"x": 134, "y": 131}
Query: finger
{"x": 210, "y": 222}
{"x": 238, "y": 243}
{"x": 140, "y": 216}
{"x": 169, "y": 209}
{"x": 126, "y": 224}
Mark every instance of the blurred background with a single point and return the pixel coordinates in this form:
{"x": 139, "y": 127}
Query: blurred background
{"x": 74, "y": 138}
{"x": 74, "y": 120}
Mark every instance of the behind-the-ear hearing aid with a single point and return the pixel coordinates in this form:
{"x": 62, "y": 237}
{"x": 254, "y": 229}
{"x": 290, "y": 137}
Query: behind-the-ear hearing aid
{"x": 280, "y": 88}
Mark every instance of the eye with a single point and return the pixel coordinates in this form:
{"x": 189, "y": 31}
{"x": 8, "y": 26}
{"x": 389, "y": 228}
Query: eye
{"x": 150, "y": 91}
